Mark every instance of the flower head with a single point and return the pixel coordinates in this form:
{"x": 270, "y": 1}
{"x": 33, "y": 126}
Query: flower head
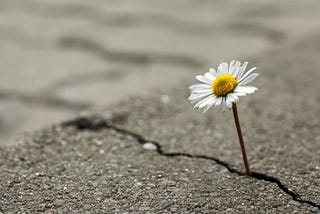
{"x": 223, "y": 86}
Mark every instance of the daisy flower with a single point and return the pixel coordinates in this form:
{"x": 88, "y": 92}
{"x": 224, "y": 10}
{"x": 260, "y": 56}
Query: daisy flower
{"x": 223, "y": 86}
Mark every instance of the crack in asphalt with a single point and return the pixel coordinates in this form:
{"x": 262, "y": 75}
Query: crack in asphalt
{"x": 96, "y": 124}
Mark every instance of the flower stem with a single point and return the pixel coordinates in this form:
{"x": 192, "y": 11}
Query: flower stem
{"x": 243, "y": 149}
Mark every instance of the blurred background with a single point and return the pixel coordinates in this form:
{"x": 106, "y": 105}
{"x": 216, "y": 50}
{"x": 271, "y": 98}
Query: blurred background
{"x": 60, "y": 58}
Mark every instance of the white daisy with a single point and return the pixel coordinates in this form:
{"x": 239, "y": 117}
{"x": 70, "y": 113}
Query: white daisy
{"x": 223, "y": 86}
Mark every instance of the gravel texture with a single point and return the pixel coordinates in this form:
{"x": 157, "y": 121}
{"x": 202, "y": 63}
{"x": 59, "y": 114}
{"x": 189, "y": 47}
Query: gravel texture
{"x": 67, "y": 170}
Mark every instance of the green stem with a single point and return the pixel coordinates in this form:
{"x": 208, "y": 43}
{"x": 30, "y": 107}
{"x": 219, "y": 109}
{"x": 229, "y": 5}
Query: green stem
{"x": 243, "y": 149}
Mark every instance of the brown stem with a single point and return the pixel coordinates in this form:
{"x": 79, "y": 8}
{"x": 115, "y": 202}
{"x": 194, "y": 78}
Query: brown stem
{"x": 243, "y": 149}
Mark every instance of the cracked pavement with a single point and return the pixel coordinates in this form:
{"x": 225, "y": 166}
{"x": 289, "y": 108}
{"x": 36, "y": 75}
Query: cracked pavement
{"x": 59, "y": 59}
{"x": 154, "y": 153}
{"x": 138, "y": 146}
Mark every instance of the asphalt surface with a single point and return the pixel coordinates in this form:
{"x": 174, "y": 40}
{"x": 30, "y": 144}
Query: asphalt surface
{"x": 154, "y": 154}
{"x": 59, "y": 59}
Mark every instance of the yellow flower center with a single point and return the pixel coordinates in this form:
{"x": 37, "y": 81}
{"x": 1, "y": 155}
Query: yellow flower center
{"x": 224, "y": 84}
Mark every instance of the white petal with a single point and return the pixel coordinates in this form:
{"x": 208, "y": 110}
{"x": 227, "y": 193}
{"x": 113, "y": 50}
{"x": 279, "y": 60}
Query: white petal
{"x": 242, "y": 69}
{"x": 249, "y": 78}
{"x": 228, "y": 102}
{"x": 239, "y": 94}
{"x": 219, "y": 71}
{"x": 205, "y": 100}
{"x": 246, "y": 74}
{"x": 236, "y": 69}
{"x": 209, "y": 76}
{"x": 202, "y": 90}
{"x": 207, "y": 108}
{"x": 213, "y": 72}
{"x": 219, "y": 101}
{"x": 198, "y": 95}
{"x": 196, "y": 100}
{"x": 245, "y": 89}
{"x": 199, "y": 86}
{"x": 203, "y": 79}
{"x": 224, "y": 68}
{"x": 233, "y": 97}
{"x": 208, "y": 102}
{"x": 224, "y": 105}
{"x": 231, "y": 67}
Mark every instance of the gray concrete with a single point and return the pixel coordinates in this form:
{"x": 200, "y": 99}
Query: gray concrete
{"x": 61, "y": 58}
{"x": 139, "y": 147}
{"x": 155, "y": 154}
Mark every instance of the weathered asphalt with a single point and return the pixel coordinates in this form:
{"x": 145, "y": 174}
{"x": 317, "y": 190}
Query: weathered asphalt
{"x": 134, "y": 149}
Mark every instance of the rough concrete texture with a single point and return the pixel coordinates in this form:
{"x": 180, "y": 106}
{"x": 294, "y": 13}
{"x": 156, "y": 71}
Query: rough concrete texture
{"x": 109, "y": 172}
{"x": 153, "y": 153}
{"x": 60, "y": 58}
